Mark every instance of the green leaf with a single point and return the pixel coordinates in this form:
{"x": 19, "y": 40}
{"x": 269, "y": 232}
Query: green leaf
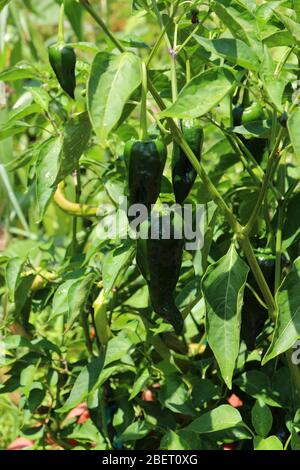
{"x": 23, "y": 111}
{"x": 71, "y": 296}
{"x": 229, "y": 17}
{"x": 74, "y": 12}
{"x": 296, "y": 6}
{"x": 295, "y": 440}
{"x": 117, "y": 260}
{"x": 18, "y": 286}
{"x": 291, "y": 26}
{"x": 14, "y": 269}
{"x": 77, "y": 134}
{"x": 201, "y": 94}
{"x": 88, "y": 432}
{"x": 279, "y": 38}
{"x": 223, "y": 287}
{"x": 135, "y": 431}
{"x": 18, "y": 72}
{"x": 293, "y": 125}
{"x": 275, "y": 90}
{"x": 40, "y": 96}
{"x": 27, "y": 378}
{"x": 116, "y": 350}
{"x": 234, "y": 50}
{"x": 3, "y": 3}
{"x": 262, "y": 418}
{"x": 291, "y": 231}
{"x": 139, "y": 383}
{"x": 47, "y": 168}
{"x": 258, "y": 385}
{"x": 112, "y": 80}
{"x": 254, "y": 128}
{"x": 177, "y": 441}
{"x": 174, "y": 395}
{"x": 271, "y": 443}
{"x": 222, "y": 417}
{"x": 287, "y": 328}
{"x": 12, "y": 128}
{"x": 84, "y": 384}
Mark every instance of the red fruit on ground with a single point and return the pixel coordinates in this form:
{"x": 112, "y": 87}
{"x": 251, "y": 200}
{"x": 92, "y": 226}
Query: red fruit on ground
{"x": 235, "y": 401}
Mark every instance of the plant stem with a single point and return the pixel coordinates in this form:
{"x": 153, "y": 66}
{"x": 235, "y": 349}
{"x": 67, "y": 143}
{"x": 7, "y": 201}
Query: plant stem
{"x": 77, "y": 199}
{"x": 61, "y": 26}
{"x": 258, "y": 275}
{"x": 281, "y": 210}
{"x": 267, "y": 179}
{"x": 101, "y": 23}
{"x": 13, "y": 199}
{"x": 173, "y": 68}
{"x": 143, "y": 117}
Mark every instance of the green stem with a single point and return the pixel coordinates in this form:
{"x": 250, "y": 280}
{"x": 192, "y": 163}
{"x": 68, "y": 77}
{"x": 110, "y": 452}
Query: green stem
{"x": 281, "y": 210}
{"x": 77, "y": 199}
{"x": 102, "y": 403}
{"x": 143, "y": 117}
{"x": 286, "y": 445}
{"x": 267, "y": 179}
{"x": 173, "y": 68}
{"x": 258, "y": 275}
{"x": 61, "y": 27}
{"x": 188, "y": 71}
{"x": 187, "y": 40}
{"x": 157, "y": 44}
{"x": 101, "y": 23}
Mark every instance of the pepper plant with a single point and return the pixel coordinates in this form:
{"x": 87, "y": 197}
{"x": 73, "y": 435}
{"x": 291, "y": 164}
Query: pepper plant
{"x": 112, "y": 342}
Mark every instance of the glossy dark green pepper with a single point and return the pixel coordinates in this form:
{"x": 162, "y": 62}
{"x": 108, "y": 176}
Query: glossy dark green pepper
{"x": 159, "y": 260}
{"x": 183, "y": 172}
{"x": 145, "y": 161}
{"x": 63, "y": 62}
{"x": 252, "y": 113}
{"x": 241, "y": 115}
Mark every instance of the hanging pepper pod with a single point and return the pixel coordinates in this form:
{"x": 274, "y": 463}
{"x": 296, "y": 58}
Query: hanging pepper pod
{"x": 63, "y": 61}
{"x": 159, "y": 257}
{"x": 245, "y": 115}
{"x": 100, "y": 319}
{"x": 183, "y": 172}
{"x": 145, "y": 161}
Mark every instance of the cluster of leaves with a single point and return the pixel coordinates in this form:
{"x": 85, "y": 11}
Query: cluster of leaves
{"x": 147, "y": 388}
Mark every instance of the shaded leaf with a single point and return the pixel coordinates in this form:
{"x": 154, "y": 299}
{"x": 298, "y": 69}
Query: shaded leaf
{"x": 262, "y": 418}
{"x": 287, "y": 328}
